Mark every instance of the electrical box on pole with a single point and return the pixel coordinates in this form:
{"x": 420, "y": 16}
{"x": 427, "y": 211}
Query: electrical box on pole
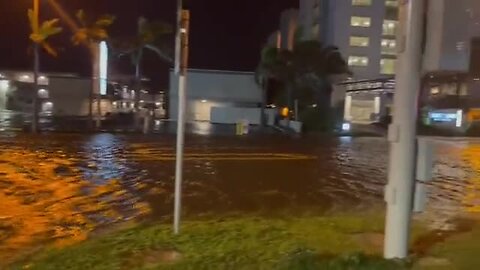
{"x": 424, "y": 173}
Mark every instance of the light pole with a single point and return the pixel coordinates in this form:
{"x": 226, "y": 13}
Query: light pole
{"x": 402, "y": 132}
{"x": 181, "y": 62}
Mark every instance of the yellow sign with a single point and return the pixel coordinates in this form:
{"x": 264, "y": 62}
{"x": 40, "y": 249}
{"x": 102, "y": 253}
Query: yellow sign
{"x": 474, "y": 115}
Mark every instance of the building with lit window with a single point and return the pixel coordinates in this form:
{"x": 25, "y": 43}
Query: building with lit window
{"x": 363, "y": 30}
{"x": 66, "y": 95}
{"x": 365, "y": 33}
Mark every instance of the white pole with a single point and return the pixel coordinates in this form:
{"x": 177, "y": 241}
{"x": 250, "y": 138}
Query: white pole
{"x": 180, "y": 146}
{"x": 402, "y": 133}
{"x": 180, "y": 71}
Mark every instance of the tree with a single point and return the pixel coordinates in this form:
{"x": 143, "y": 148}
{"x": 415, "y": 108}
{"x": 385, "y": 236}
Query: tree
{"x": 306, "y": 71}
{"x": 90, "y": 33}
{"x": 39, "y": 36}
{"x": 150, "y": 36}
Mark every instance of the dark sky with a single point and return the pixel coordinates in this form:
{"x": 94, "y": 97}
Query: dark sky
{"x": 225, "y": 34}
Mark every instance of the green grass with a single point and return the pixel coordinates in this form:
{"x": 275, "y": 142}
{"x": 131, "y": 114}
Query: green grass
{"x": 233, "y": 243}
{"x": 462, "y": 251}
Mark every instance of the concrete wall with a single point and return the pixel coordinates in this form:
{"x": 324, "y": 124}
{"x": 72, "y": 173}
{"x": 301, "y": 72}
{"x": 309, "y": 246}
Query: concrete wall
{"x": 4, "y": 87}
{"x": 232, "y": 115}
{"x": 207, "y": 89}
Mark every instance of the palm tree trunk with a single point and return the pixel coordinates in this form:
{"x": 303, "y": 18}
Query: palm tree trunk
{"x": 95, "y": 92}
{"x": 36, "y": 68}
{"x": 138, "y": 86}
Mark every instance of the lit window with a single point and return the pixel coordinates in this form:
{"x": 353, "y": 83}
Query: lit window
{"x": 391, "y": 3}
{"x": 360, "y": 21}
{"x": 390, "y": 27}
{"x": 358, "y": 61}
{"x": 387, "y": 66}
{"x": 361, "y": 2}
{"x": 42, "y": 93}
{"x": 359, "y": 41}
{"x": 389, "y": 46}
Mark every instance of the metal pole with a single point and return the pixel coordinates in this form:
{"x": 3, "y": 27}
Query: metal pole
{"x": 402, "y": 133}
{"x": 181, "y": 61}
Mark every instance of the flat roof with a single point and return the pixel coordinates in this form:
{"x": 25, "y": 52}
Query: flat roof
{"x": 197, "y": 70}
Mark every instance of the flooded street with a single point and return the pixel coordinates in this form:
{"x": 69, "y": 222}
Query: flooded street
{"x": 59, "y": 188}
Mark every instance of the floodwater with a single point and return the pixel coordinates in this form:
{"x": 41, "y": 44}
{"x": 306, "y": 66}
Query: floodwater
{"x": 57, "y": 189}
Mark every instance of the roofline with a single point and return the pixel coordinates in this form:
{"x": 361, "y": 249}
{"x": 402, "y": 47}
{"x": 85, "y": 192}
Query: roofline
{"x": 49, "y": 74}
{"x": 366, "y": 80}
{"x": 198, "y": 70}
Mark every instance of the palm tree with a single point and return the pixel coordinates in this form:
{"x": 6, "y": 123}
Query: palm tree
{"x": 150, "y": 36}
{"x": 90, "y": 34}
{"x": 309, "y": 67}
{"x": 39, "y": 36}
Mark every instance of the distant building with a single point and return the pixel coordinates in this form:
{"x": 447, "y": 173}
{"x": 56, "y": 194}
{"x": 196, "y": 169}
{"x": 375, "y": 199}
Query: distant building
{"x": 288, "y": 28}
{"x": 211, "y": 90}
{"x": 60, "y": 94}
{"x": 66, "y": 94}
{"x": 452, "y": 38}
{"x": 275, "y": 39}
{"x": 363, "y": 30}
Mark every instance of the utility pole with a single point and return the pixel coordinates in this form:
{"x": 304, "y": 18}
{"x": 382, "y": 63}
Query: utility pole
{"x": 402, "y": 132}
{"x": 181, "y": 64}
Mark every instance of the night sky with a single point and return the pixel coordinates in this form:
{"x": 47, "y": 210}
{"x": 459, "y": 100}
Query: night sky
{"x": 225, "y": 34}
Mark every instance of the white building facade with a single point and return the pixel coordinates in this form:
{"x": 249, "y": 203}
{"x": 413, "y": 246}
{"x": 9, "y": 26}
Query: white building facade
{"x": 210, "y": 92}
{"x": 363, "y": 30}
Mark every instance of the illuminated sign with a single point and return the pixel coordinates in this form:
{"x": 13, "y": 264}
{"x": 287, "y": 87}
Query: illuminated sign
{"x": 474, "y": 115}
{"x": 443, "y": 117}
{"x": 103, "y": 69}
{"x": 447, "y": 117}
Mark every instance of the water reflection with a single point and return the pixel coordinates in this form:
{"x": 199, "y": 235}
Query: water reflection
{"x": 62, "y": 187}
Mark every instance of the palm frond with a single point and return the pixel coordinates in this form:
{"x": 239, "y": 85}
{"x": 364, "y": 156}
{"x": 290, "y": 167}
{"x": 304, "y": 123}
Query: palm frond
{"x": 49, "y": 49}
{"x": 105, "y": 21}
{"x": 160, "y": 53}
{"x": 50, "y": 28}
{"x": 81, "y": 17}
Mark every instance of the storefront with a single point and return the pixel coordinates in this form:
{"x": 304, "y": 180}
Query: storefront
{"x": 368, "y": 102}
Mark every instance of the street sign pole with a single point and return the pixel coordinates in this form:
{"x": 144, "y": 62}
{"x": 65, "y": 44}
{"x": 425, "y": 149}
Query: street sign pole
{"x": 181, "y": 63}
{"x": 402, "y": 132}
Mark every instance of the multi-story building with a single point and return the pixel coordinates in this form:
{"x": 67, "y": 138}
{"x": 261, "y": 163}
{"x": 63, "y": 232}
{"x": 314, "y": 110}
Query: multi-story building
{"x": 363, "y": 30}
{"x": 288, "y": 28}
{"x": 275, "y": 39}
